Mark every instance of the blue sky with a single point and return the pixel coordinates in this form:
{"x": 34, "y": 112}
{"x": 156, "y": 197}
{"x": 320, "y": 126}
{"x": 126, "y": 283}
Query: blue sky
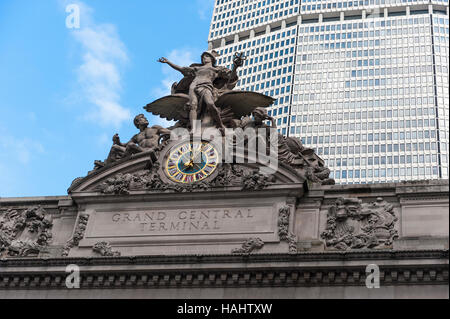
{"x": 65, "y": 92}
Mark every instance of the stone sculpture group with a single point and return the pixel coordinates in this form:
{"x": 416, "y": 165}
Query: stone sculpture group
{"x": 205, "y": 95}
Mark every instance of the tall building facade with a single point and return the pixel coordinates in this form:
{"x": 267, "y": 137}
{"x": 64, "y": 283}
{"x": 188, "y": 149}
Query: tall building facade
{"x": 365, "y": 83}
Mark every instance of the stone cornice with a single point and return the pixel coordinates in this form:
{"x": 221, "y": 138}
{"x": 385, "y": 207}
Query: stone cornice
{"x": 439, "y": 188}
{"x": 243, "y": 279}
{"x": 231, "y": 258}
{"x": 332, "y": 256}
{"x": 425, "y": 186}
{"x": 294, "y": 190}
{"x": 50, "y": 201}
{"x": 261, "y": 270}
{"x": 393, "y": 192}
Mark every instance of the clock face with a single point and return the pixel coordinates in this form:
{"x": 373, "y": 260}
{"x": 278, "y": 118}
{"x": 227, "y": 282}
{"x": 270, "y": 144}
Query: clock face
{"x": 191, "y": 162}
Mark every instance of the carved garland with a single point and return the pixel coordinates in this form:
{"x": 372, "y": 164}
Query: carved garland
{"x": 248, "y": 246}
{"x": 228, "y": 175}
{"x": 103, "y": 248}
{"x": 283, "y": 229}
{"x": 78, "y": 234}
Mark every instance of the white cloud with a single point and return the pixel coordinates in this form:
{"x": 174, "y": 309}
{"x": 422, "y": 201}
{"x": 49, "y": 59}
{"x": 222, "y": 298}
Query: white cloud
{"x": 99, "y": 76}
{"x": 205, "y": 8}
{"x": 21, "y": 150}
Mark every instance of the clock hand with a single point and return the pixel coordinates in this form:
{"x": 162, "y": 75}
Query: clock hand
{"x": 189, "y": 164}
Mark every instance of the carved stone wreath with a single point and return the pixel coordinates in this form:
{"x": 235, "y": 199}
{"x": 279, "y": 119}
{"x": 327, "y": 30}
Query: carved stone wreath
{"x": 25, "y": 233}
{"x": 352, "y": 224}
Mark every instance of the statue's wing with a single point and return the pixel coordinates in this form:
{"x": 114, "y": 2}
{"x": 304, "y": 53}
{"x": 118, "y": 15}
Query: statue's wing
{"x": 169, "y": 107}
{"x": 182, "y": 87}
{"x": 243, "y": 102}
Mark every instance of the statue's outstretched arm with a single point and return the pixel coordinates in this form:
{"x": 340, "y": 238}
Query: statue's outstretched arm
{"x": 180, "y": 69}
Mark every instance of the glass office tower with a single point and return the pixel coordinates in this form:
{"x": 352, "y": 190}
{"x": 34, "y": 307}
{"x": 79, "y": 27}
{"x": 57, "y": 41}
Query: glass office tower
{"x": 365, "y": 83}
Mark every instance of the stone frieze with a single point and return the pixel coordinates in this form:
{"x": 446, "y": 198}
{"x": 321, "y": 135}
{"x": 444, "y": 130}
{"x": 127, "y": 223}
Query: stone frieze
{"x": 26, "y": 232}
{"x": 352, "y": 224}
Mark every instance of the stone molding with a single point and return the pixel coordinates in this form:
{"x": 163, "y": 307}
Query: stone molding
{"x": 235, "y": 192}
{"x": 425, "y": 188}
{"x": 265, "y": 278}
{"x": 396, "y": 268}
{"x": 425, "y": 199}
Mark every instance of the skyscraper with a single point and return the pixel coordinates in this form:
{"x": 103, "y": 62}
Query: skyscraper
{"x": 365, "y": 83}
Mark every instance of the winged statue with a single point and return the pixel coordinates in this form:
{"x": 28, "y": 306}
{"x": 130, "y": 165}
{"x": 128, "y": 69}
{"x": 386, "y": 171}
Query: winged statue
{"x": 206, "y": 93}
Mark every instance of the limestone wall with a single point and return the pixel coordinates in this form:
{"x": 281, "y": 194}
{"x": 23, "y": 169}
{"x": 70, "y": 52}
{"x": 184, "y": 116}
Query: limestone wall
{"x": 417, "y": 217}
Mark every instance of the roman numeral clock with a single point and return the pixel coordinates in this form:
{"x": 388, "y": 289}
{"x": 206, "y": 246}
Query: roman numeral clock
{"x": 189, "y": 162}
